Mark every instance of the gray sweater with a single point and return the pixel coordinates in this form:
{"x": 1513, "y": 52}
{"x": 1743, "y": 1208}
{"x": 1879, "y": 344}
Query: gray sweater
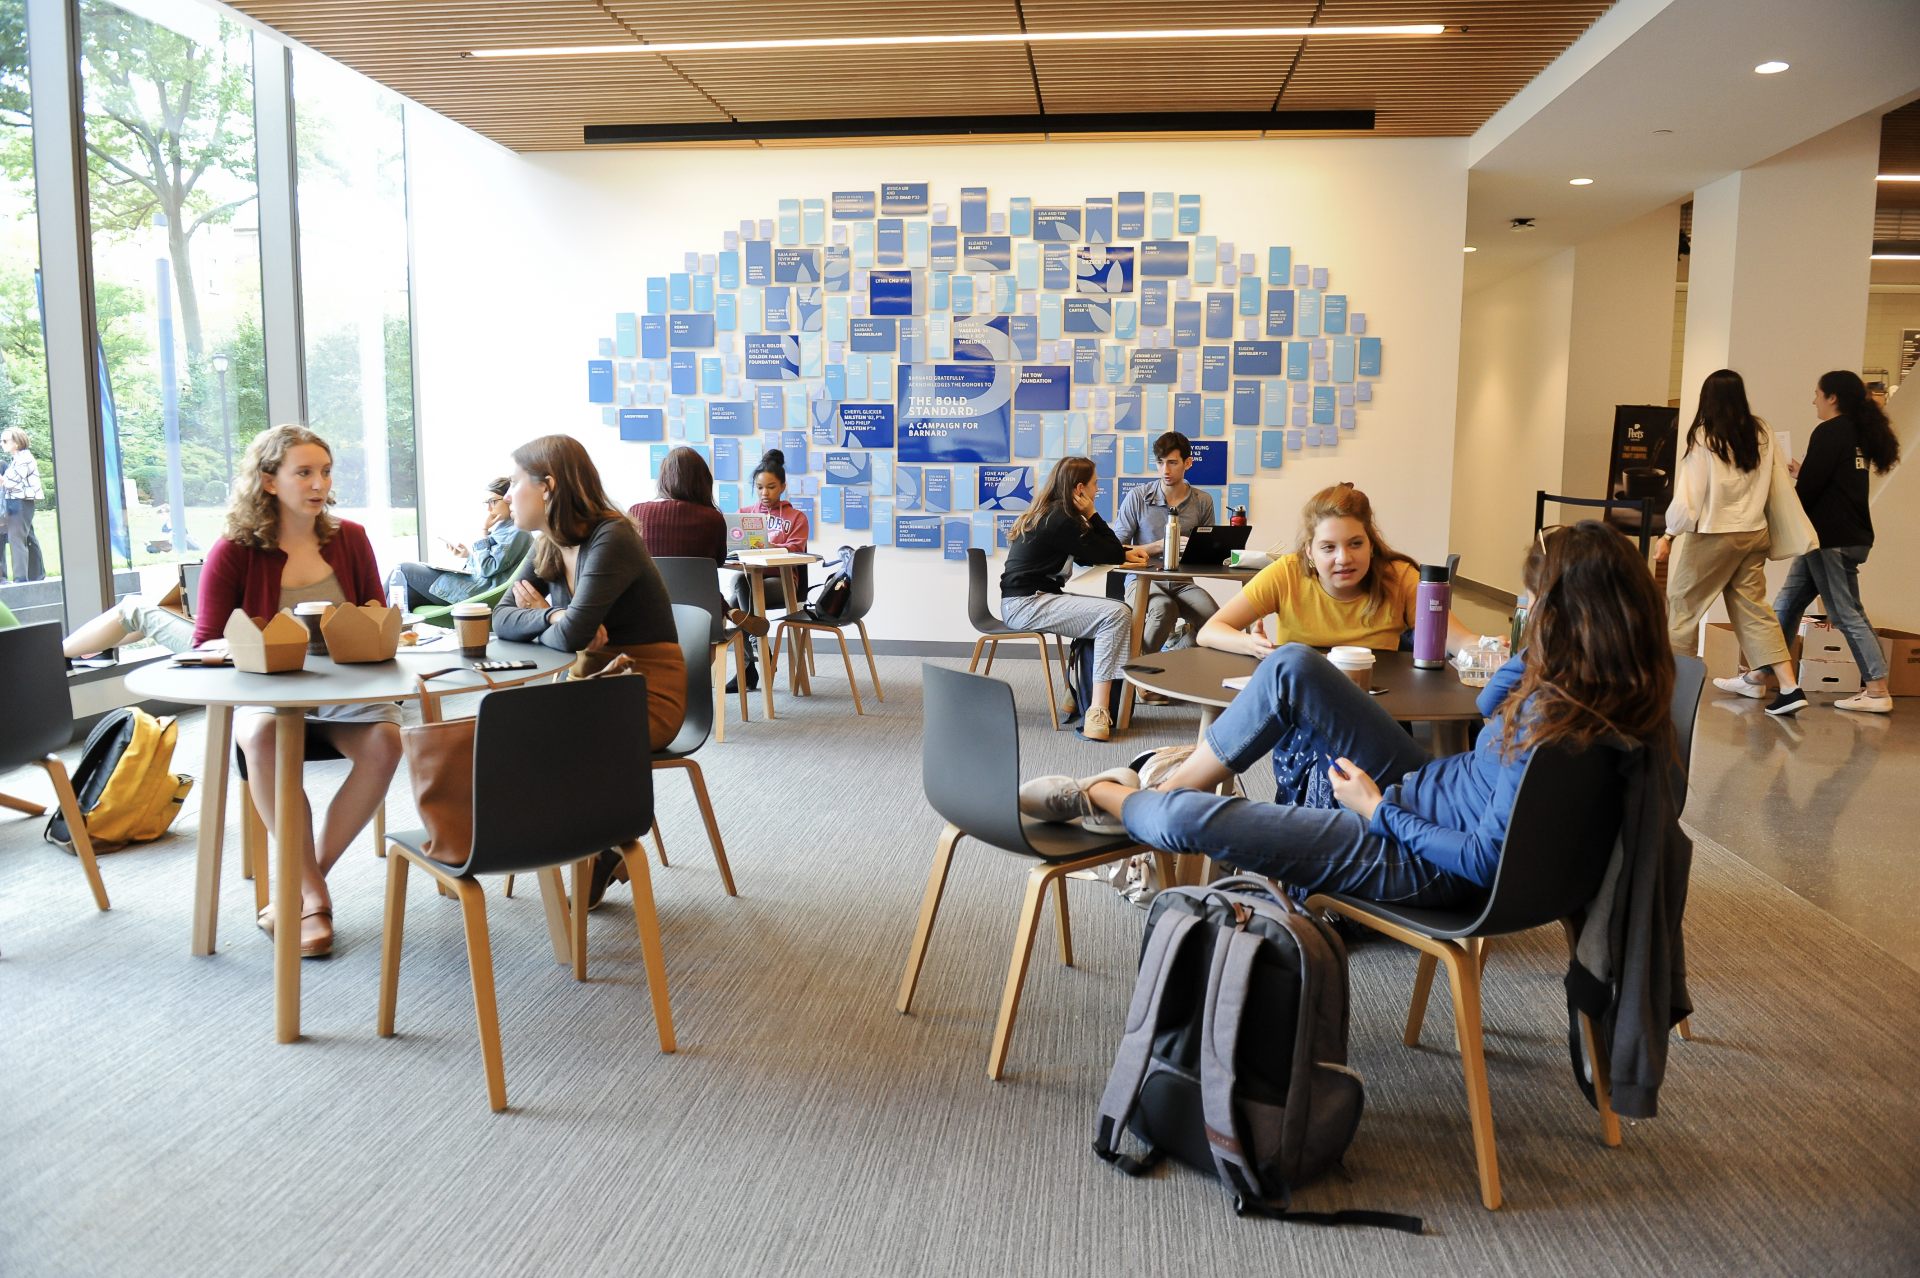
{"x": 616, "y": 586}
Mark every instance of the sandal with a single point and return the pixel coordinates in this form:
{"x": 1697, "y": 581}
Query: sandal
{"x": 315, "y": 941}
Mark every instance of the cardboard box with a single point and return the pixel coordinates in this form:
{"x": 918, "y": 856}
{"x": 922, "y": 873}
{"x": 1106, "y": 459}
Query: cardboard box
{"x": 1840, "y": 677}
{"x": 1902, "y": 648}
{"x": 268, "y": 645}
{"x": 369, "y": 632}
{"x": 1821, "y": 642}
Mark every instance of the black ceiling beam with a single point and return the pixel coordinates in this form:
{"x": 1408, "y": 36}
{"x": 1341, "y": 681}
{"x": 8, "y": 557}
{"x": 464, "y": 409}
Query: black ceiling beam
{"x": 983, "y": 125}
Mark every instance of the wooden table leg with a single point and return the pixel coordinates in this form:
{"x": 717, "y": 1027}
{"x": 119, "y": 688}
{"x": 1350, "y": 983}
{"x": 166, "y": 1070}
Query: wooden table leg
{"x": 1124, "y": 719}
{"x": 799, "y": 684}
{"x": 758, "y": 584}
{"x": 289, "y": 842}
{"x": 213, "y": 829}
{"x": 1192, "y": 868}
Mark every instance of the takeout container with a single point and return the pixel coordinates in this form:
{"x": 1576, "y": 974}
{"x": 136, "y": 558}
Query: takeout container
{"x": 355, "y": 635}
{"x": 267, "y": 645}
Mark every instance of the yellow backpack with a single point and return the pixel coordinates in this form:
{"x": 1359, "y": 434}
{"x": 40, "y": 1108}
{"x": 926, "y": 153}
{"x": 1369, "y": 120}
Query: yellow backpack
{"x": 126, "y": 793}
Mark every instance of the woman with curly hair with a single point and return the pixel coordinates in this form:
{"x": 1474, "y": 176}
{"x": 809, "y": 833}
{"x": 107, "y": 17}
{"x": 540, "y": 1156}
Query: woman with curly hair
{"x": 282, "y": 547}
{"x": 1596, "y": 669}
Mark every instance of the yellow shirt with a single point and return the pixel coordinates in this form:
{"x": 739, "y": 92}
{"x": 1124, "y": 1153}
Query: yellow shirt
{"x": 1306, "y": 613}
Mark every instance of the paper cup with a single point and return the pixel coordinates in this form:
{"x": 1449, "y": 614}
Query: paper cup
{"x": 1356, "y": 664}
{"x": 472, "y": 623}
{"x": 309, "y": 615}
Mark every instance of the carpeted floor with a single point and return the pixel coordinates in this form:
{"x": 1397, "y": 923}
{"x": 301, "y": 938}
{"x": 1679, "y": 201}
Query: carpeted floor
{"x": 149, "y": 1124}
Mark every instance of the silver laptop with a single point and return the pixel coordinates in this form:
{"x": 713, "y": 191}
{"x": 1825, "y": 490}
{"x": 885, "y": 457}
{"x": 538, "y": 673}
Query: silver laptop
{"x": 746, "y": 530}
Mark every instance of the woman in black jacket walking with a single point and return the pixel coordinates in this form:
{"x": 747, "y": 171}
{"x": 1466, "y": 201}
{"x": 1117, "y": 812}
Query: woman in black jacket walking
{"x": 1853, "y": 438}
{"x": 1060, "y": 529}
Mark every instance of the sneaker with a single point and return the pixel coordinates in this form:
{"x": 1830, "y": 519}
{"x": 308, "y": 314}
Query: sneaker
{"x": 1063, "y": 799}
{"x": 1098, "y": 725}
{"x": 1786, "y": 703}
{"x": 1745, "y": 685}
{"x": 1154, "y": 766}
{"x": 1865, "y": 703}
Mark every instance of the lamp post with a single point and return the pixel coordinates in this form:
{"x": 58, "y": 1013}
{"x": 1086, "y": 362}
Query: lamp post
{"x": 220, "y": 363}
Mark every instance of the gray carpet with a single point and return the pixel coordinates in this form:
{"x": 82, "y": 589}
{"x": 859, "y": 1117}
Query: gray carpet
{"x": 150, "y": 1124}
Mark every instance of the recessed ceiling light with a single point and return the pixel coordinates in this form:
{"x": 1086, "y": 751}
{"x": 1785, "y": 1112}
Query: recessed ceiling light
{"x": 1894, "y": 257}
{"x": 1469, "y": 249}
{"x": 1770, "y": 68}
{"x": 984, "y": 37}
{"x": 1896, "y": 177}
{"x": 1579, "y": 181}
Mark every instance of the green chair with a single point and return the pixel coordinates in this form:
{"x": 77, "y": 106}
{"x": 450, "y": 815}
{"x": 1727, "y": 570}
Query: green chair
{"x": 441, "y": 614}
{"x": 7, "y": 619}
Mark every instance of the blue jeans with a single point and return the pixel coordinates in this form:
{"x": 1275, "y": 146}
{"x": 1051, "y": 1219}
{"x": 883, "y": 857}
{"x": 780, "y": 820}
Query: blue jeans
{"x": 1833, "y": 573}
{"x": 1315, "y": 849}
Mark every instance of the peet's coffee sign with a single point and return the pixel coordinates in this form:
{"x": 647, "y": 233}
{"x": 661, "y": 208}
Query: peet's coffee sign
{"x": 1640, "y": 463}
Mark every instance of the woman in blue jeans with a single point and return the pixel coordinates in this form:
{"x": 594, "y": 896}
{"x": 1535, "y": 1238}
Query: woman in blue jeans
{"x": 1853, "y": 438}
{"x": 1596, "y": 667}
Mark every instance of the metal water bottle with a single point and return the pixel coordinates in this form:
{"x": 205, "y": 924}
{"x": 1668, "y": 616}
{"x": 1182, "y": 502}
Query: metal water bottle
{"x": 1239, "y": 518}
{"x": 1170, "y": 544}
{"x": 1431, "y": 605}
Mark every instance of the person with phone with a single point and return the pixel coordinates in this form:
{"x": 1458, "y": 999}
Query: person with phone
{"x": 1596, "y": 670}
{"x": 283, "y": 546}
{"x": 491, "y": 560}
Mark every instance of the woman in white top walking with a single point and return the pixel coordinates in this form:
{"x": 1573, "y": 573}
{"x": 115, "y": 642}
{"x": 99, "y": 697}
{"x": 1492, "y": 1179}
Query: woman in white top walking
{"x": 1717, "y": 531}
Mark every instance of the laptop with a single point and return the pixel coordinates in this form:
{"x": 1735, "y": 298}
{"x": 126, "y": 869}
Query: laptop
{"x": 746, "y": 530}
{"x": 1210, "y": 544}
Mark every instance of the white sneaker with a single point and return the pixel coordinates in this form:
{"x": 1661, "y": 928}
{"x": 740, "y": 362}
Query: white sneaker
{"x": 1744, "y": 685}
{"x": 1865, "y": 703}
{"x": 1062, "y": 799}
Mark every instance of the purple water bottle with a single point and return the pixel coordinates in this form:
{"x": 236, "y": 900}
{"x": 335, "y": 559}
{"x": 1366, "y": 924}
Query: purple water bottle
{"x": 1431, "y": 605}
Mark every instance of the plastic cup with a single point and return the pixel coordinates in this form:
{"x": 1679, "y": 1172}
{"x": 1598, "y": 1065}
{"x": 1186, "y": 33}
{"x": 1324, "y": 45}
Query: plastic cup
{"x": 309, "y": 615}
{"x": 472, "y": 624}
{"x": 1356, "y": 664}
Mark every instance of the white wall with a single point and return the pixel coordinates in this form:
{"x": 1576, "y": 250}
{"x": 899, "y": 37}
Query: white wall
{"x": 521, "y": 261}
{"x": 1511, "y": 423}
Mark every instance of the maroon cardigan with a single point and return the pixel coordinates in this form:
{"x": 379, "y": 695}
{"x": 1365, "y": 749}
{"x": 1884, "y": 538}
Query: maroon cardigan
{"x": 237, "y": 576}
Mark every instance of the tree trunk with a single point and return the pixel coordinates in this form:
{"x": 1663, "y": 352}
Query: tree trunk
{"x": 181, "y": 252}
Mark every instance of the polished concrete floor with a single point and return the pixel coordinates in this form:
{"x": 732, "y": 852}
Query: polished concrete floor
{"x": 1826, "y": 802}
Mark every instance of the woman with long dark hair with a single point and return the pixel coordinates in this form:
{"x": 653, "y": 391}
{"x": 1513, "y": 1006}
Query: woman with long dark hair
{"x": 1717, "y": 536}
{"x": 683, "y": 522}
{"x": 1852, "y": 440}
{"x": 1062, "y": 528}
{"x": 1596, "y": 668}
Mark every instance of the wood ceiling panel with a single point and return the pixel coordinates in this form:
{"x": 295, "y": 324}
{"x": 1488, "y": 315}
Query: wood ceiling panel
{"x": 1418, "y": 86}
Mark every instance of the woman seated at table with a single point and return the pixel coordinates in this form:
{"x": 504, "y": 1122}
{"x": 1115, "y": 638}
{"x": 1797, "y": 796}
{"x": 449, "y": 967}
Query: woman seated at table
{"x": 786, "y": 530}
{"x": 589, "y": 587}
{"x": 683, "y": 521}
{"x": 1060, "y": 529}
{"x": 1341, "y": 584}
{"x": 1595, "y": 669}
{"x": 490, "y": 561}
{"x": 282, "y": 547}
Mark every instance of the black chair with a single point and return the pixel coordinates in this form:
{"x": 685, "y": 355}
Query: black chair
{"x": 992, "y": 630}
{"x": 1689, "y": 678}
{"x": 693, "y": 580}
{"x": 574, "y": 746}
{"x": 1560, "y": 837}
{"x": 692, "y": 624}
{"x": 39, "y": 721}
{"x": 970, "y": 769}
{"x": 859, "y": 603}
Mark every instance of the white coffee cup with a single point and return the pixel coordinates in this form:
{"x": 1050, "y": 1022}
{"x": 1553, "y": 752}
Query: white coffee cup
{"x": 472, "y": 622}
{"x": 309, "y": 615}
{"x": 1355, "y": 663}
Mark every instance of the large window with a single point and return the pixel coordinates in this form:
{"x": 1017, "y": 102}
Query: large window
{"x": 30, "y": 565}
{"x": 353, "y": 290}
{"x": 168, "y": 99}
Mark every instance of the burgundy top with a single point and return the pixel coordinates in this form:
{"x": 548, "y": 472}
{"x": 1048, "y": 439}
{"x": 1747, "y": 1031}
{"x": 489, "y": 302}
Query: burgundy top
{"x": 237, "y": 576}
{"x": 670, "y": 527}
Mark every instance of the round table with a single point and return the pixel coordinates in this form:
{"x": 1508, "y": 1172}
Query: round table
{"x": 290, "y": 696}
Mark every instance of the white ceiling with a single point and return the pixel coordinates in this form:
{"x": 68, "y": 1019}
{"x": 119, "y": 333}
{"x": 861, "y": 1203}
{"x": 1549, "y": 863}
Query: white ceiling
{"x": 1687, "y": 66}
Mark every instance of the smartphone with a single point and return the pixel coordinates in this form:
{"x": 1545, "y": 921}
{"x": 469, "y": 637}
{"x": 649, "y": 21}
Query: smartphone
{"x": 493, "y": 667}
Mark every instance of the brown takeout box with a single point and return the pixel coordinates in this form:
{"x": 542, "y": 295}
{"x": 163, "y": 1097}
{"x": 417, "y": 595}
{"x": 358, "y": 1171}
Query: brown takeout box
{"x": 370, "y": 632}
{"x": 270, "y": 645}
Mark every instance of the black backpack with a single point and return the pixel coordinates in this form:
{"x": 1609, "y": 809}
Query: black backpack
{"x": 831, "y": 596}
{"x": 1234, "y": 1059}
{"x": 1080, "y": 681}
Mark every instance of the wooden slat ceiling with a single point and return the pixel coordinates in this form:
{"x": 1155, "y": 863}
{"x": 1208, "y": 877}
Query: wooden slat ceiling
{"x": 1419, "y": 87}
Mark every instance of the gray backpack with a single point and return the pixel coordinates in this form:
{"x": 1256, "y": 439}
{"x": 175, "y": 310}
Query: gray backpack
{"x": 1235, "y": 1054}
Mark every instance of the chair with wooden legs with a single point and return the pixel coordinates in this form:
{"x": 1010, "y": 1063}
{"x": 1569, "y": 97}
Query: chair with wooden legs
{"x": 992, "y": 631}
{"x": 254, "y": 846}
{"x": 970, "y": 770}
{"x": 801, "y": 622}
{"x": 692, "y": 624}
{"x": 1559, "y": 840}
{"x": 573, "y": 745}
{"x": 696, "y": 581}
{"x": 39, "y": 721}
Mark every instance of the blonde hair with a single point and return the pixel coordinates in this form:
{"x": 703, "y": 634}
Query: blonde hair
{"x": 1344, "y": 501}
{"x": 253, "y": 513}
{"x": 13, "y": 437}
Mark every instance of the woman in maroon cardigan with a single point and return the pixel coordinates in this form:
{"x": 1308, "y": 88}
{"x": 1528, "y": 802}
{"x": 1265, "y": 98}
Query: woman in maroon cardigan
{"x": 282, "y": 547}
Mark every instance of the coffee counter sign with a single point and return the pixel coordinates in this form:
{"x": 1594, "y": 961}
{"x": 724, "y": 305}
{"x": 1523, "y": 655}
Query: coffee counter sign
{"x": 1640, "y": 465}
